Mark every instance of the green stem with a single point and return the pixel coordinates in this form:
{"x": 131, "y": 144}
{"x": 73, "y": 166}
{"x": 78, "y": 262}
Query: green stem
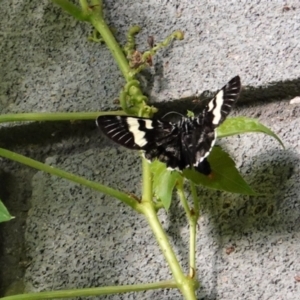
{"x": 175, "y": 35}
{"x": 93, "y": 291}
{"x": 54, "y": 171}
{"x": 147, "y": 182}
{"x": 57, "y": 116}
{"x": 184, "y": 283}
{"x": 107, "y": 36}
{"x": 195, "y": 199}
{"x": 84, "y": 6}
{"x": 93, "y": 16}
{"x": 192, "y": 219}
{"x": 130, "y": 46}
{"x": 192, "y": 256}
{"x": 183, "y": 200}
{"x": 193, "y": 228}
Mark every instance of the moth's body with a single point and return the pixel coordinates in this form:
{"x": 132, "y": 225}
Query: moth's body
{"x": 174, "y": 144}
{"x": 180, "y": 145}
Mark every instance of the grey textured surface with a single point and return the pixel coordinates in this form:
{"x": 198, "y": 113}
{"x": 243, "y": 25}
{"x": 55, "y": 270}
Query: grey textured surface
{"x": 79, "y": 238}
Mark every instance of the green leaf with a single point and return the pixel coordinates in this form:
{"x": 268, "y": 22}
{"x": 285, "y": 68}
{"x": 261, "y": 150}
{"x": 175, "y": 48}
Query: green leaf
{"x": 224, "y": 177}
{"x": 164, "y": 182}
{"x": 4, "y": 214}
{"x": 239, "y": 125}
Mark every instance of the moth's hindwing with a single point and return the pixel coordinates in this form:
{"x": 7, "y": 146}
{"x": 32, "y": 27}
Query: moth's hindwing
{"x": 220, "y": 106}
{"x": 204, "y": 134}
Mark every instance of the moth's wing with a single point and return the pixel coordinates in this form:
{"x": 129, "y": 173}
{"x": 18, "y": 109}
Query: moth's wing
{"x": 220, "y": 106}
{"x": 203, "y": 167}
{"x": 133, "y": 132}
{"x": 197, "y": 143}
{"x": 204, "y": 136}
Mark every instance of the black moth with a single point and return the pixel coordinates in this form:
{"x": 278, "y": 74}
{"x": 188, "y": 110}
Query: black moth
{"x": 180, "y": 145}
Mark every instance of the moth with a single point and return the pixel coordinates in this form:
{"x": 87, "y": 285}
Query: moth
{"x": 181, "y": 145}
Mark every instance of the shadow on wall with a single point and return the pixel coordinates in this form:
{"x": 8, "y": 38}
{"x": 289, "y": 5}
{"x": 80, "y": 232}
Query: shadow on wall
{"x": 50, "y": 132}
{"x": 250, "y": 95}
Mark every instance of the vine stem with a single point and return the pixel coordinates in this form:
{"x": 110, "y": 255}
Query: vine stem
{"x": 192, "y": 216}
{"x": 109, "y": 39}
{"x": 26, "y": 117}
{"x": 108, "y": 290}
{"x": 184, "y": 283}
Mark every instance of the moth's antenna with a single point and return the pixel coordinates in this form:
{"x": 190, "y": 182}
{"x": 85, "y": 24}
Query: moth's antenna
{"x": 194, "y": 108}
{"x": 196, "y": 102}
{"x": 173, "y": 112}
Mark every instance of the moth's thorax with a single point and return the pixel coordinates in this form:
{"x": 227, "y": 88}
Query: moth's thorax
{"x": 188, "y": 124}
